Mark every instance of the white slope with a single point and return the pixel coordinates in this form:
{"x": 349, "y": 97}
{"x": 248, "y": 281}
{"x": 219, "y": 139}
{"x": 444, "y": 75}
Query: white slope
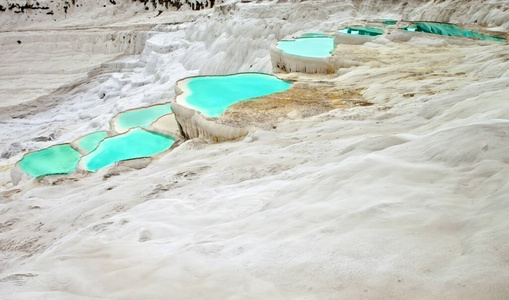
{"x": 405, "y": 199}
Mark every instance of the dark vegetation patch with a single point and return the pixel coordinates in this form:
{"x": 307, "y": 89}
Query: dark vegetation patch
{"x": 20, "y": 8}
{"x": 159, "y": 5}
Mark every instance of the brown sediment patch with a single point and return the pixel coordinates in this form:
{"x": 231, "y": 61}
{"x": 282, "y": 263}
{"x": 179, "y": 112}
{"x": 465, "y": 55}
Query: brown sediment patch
{"x": 304, "y": 99}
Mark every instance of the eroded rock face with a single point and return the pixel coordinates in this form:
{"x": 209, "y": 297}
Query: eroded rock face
{"x": 57, "y": 8}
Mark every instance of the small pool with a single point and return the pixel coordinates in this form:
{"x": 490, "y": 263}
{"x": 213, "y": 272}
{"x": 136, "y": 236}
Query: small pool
{"x": 140, "y": 117}
{"x": 136, "y": 143}
{"x": 389, "y": 22}
{"x": 212, "y": 95}
{"x": 314, "y": 35}
{"x": 91, "y": 141}
{"x": 316, "y": 45}
{"x": 386, "y": 22}
{"x": 448, "y": 29}
{"x": 364, "y": 31}
{"x": 56, "y": 160}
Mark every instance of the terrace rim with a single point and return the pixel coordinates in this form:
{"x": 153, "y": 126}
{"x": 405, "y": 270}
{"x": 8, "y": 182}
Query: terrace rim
{"x": 181, "y": 87}
{"x": 308, "y": 36}
{"x": 112, "y": 122}
{"x": 303, "y": 64}
{"x": 233, "y": 74}
{"x": 193, "y": 124}
{"x": 75, "y": 143}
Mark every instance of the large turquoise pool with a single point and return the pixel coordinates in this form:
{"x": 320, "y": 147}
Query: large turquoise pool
{"x": 309, "y": 45}
{"x": 212, "y": 95}
{"x": 449, "y": 30}
{"x": 56, "y": 160}
{"x": 137, "y": 143}
{"x": 142, "y": 117}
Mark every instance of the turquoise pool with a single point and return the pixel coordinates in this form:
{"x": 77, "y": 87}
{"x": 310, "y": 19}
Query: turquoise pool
{"x": 314, "y": 35}
{"x": 212, "y": 95}
{"x": 137, "y": 143}
{"x": 389, "y": 22}
{"x": 56, "y": 160}
{"x": 449, "y": 30}
{"x": 315, "y": 45}
{"x": 366, "y": 31}
{"x": 142, "y": 117}
{"x": 91, "y": 141}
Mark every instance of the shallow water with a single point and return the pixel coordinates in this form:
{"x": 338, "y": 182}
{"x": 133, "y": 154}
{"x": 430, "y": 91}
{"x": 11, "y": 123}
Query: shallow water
{"x": 308, "y": 46}
{"x": 137, "y": 143}
{"x": 449, "y": 30}
{"x": 314, "y": 35}
{"x": 142, "y": 117}
{"x": 60, "y": 159}
{"x": 91, "y": 141}
{"x": 389, "y": 22}
{"x": 369, "y": 31}
{"x": 212, "y": 95}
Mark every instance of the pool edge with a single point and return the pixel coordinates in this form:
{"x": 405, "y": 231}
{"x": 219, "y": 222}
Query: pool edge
{"x": 193, "y": 124}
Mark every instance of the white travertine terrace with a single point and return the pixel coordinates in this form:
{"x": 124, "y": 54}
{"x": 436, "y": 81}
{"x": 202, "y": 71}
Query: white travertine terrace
{"x": 193, "y": 124}
{"x": 345, "y": 38}
{"x": 166, "y": 124}
{"x": 294, "y": 63}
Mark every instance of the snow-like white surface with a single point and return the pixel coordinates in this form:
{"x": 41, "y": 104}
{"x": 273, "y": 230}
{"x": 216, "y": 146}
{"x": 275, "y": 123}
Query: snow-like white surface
{"x": 403, "y": 199}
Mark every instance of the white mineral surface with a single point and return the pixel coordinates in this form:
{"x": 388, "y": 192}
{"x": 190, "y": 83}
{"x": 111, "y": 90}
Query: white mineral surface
{"x": 404, "y": 199}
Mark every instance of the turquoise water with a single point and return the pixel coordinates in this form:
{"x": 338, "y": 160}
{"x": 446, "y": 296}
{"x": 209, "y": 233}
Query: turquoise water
{"x": 89, "y": 142}
{"x": 314, "y": 35}
{"x": 60, "y": 159}
{"x": 389, "y": 22}
{"x": 142, "y": 117}
{"x": 137, "y": 143}
{"x": 367, "y": 31}
{"x": 310, "y": 45}
{"x": 212, "y": 95}
{"x": 449, "y": 30}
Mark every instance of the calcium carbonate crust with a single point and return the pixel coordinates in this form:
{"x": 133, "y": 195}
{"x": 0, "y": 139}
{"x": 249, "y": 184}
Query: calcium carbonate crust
{"x": 343, "y": 38}
{"x": 294, "y": 63}
{"x": 160, "y": 125}
{"x": 194, "y": 125}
